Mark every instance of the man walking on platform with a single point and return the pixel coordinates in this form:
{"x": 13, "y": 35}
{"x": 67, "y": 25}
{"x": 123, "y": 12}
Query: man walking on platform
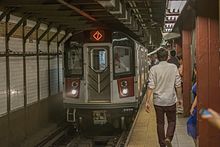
{"x": 165, "y": 85}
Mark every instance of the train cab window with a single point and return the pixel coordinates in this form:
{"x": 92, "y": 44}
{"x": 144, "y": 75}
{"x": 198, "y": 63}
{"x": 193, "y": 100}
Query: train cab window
{"x": 98, "y": 59}
{"x": 73, "y": 60}
{"x": 122, "y": 61}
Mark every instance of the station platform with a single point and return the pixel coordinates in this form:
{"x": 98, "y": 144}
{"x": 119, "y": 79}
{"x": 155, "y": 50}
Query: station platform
{"x": 144, "y": 132}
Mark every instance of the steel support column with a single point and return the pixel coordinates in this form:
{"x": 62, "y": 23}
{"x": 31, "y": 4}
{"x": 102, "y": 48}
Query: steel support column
{"x": 49, "y": 42}
{"x": 58, "y": 54}
{"x": 207, "y": 58}
{"x": 25, "y": 75}
{"x": 7, "y": 76}
{"x": 187, "y": 73}
{"x": 38, "y": 66}
{"x": 48, "y": 57}
{"x": 37, "y": 42}
{"x": 58, "y": 65}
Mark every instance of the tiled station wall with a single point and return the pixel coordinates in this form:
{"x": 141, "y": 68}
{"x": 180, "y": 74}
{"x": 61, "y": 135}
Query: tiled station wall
{"x": 21, "y": 122}
{"x": 16, "y": 74}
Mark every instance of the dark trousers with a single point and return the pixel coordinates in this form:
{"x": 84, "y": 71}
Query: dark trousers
{"x": 170, "y": 112}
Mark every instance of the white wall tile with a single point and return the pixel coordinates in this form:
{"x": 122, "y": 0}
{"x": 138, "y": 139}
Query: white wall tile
{"x": 15, "y": 44}
{"x": 43, "y": 77}
{"x": 16, "y": 73}
{"x": 43, "y": 46}
{"x": 31, "y": 80}
{"x": 2, "y": 44}
{"x": 16, "y": 82}
{"x": 53, "y": 75}
{"x": 3, "y": 96}
{"x": 53, "y": 47}
{"x": 61, "y": 72}
{"x": 31, "y": 46}
{"x": 61, "y": 47}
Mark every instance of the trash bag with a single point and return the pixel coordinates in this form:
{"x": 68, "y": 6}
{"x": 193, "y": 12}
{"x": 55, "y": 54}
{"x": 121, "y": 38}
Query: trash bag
{"x": 192, "y": 124}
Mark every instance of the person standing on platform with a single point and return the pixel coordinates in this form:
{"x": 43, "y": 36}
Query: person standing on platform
{"x": 192, "y": 120}
{"x": 173, "y": 59}
{"x": 153, "y": 61}
{"x": 180, "y": 60}
{"x": 165, "y": 85}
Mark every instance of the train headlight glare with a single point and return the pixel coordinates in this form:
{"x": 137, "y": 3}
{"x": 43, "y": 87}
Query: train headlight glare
{"x": 125, "y": 91}
{"x": 74, "y": 91}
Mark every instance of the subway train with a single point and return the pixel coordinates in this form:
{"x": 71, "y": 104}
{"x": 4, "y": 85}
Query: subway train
{"x": 105, "y": 75}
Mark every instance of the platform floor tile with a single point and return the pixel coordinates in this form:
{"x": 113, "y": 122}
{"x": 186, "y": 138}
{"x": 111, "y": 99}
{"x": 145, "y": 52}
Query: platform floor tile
{"x": 145, "y": 135}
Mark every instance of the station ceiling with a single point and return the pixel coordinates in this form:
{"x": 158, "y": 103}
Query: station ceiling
{"x": 139, "y": 18}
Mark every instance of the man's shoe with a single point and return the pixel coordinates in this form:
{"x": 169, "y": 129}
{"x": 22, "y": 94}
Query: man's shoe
{"x": 168, "y": 142}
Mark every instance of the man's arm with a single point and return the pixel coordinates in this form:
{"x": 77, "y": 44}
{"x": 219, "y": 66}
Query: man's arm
{"x": 179, "y": 95}
{"x": 178, "y": 87}
{"x": 149, "y": 93}
{"x": 148, "y": 99}
{"x": 150, "y": 87}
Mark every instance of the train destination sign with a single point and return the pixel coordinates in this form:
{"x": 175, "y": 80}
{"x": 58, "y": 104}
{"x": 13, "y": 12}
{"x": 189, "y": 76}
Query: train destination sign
{"x": 97, "y": 35}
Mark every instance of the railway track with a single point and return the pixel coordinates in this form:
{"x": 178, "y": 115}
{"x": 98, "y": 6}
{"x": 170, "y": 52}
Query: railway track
{"x": 99, "y": 141}
{"x": 67, "y": 136}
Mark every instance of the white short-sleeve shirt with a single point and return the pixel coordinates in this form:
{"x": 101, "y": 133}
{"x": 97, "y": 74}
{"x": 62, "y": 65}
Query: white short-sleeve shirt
{"x": 163, "y": 78}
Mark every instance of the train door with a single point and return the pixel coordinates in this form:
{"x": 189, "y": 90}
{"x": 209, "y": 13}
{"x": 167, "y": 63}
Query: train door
{"x": 98, "y": 74}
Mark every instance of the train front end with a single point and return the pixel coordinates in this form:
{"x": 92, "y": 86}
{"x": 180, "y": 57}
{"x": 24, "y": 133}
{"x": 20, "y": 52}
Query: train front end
{"x": 100, "y": 82}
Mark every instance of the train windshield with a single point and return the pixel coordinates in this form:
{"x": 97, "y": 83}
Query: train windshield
{"x": 123, "y": 55}
{"x": 122, "y": 59}
{"x": 73, "y": 60}
{"x": 98, "y": 59}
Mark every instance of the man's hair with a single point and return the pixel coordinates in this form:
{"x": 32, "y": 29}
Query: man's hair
{"x": 173, "y": 53}
{"x": 162, "y": 54}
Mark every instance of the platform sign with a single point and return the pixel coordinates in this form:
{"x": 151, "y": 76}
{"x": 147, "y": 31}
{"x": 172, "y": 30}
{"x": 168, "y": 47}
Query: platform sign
{"x": 97, "y": 35}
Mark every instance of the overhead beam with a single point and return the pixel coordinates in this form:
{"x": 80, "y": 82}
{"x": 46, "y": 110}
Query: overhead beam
{"x": 4, "y": 13}
{"x": 17, "y": 25}
{"x": 81, "y": 3}
{"x": 45, "y": 32}
{"x": 64, "y": 37}
{"x": 35, "y": 6}
{"x": 62, "y": 18}
{"x": 53, "y": 37}
{"x": 77, "y": 10}
{"x": 74, "y": 23}
{"x": 52, "y": 13}
{"x": 32, "y": 30}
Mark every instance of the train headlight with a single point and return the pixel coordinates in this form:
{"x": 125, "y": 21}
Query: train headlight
{"x": 74, "y": 92}
{"x": 124, "y": 91}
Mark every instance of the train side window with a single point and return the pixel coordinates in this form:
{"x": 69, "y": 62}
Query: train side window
{"x": 122, "y": 60}
{"x": 73, "y": 61}
{"x": 98, "y": 59}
